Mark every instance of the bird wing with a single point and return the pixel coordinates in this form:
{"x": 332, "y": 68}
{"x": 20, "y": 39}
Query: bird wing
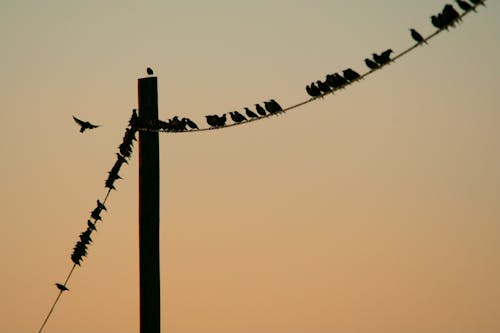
{"x": 90, "y": 126}
{"x": 78, "y": 121}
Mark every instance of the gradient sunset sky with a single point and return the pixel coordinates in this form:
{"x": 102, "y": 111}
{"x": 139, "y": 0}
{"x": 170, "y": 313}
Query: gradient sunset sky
{"x": 376, "y": 210}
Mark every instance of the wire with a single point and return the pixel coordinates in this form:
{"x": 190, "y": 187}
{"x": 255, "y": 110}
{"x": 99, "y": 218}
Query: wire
{"x": 312, "y": 99}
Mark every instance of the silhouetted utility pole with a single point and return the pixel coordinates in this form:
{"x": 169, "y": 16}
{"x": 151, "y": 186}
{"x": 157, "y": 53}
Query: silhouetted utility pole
{"x": 149, "y": 210}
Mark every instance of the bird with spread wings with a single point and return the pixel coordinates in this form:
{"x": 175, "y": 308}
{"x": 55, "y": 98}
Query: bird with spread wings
{"x": 84, "y": 125}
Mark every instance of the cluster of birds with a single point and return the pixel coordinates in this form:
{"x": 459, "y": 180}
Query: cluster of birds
{"x": 270, "y": 107}
{"x": 175, "y": 124}
{"x": 125, "y": 152}
{"x": 448, "y": 17}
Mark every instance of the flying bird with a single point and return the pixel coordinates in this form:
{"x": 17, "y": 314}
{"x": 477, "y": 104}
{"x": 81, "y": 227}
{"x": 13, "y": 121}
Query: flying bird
{"x": 61, "y": 287}
{"x": 149, "y": 71}
{"x": 84, "y": 125}
{"x": 417, "y": 37}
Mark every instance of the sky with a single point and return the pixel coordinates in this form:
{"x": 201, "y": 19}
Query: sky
{"x": 372, "y": 210}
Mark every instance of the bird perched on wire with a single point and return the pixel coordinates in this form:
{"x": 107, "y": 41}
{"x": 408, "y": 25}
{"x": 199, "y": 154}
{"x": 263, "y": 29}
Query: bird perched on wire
{"x": 371, "y": 64}
{"x": 417, "y": 37}
{"x": 149, "y": 71}
{"x": 478, "y": 2}
{"x": 383, "y": 58}
{"x": 91, "y": 225}
{"x": 438, "y": 21}
{"x": 190, "y": 123}
{"x": 250, "y": 113}
{"x": 61, "y": 287}
{"x": 312, "y": 90}
{"x": 237, "y": 117}
{"x": 464, "y": 5}
{"x": 260, "y": 110}
{"x": 84, "y": 125}
{"x": 350, "y": 74}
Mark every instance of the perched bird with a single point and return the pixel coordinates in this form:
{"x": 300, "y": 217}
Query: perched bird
{"x": 101, "y": 206}
{"x": 216, "y": 121}
{"x": 350, "y": 74}
{"x": 276, "y": 105}
{"x": 61, "y": 287}
{"x": 371, "y": 64}
{"x": 237, "y": 117}
{"x": 260, "y": 110}
{"x": 417, "y": 37}
{"x": 91, "y": 225}
{"x": 149, "y": 71}
{"x": 336, "y": 81}
{"x": 478, "y": 2}
{"x": 438, "y": 22}
{"x": 312, "y": 90}
{"x": 133, "y": 119}
{"x": 450, "y": 15}
{"x": 84, "y": 125}
{"x": 221, "y": 121}
{"x": 323, "y": 87}
{"x": 464, "y": 5}
{"x": 250, "y": 113}
{"x": 383, "y": 58}
{"x": 190, "y": 123}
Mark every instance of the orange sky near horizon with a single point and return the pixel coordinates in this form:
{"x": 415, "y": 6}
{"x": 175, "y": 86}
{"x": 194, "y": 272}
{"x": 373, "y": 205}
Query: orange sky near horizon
{"x": 374, "y": 210}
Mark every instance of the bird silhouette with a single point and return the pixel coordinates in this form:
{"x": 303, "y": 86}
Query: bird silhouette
{"x": 260, "y": 110}
{"x": 133, "y": 119}
{"x": 149, "y": 71}
{"x": 336, "y": 81}
{"x": 61, "y": 287}
{"x": 323, "y": 87}
{"x": 237, "y": 117}
{"x": 417, "y": 37}
{"x": 450, "y": 15}
{"x": 312, "y": 90}
{"x": 464, "y": 5}
{"x": 190, "y": 123}
{"x": 276, "y": 105}
{"x": 350, "y": 74}
{"x": 383, "y": 58}
{"x": 91, "y": 225}
{"x": 101, "y": 206}
{"x": 216, "y": 121}
{"x": 84, "y": 125}
{"x": 371, "y": 64}
{"x": 438, "y": 22}
{"x": 478, "y": 2}
{"x": 250, "y": 113}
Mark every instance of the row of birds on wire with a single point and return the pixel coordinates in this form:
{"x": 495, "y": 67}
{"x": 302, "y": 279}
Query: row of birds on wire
{"x": 448, "y": 17}
{"x": 122, "y": 157}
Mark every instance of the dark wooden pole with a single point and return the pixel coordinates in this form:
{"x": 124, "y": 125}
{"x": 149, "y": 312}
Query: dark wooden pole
{"x": 149, "y": 210}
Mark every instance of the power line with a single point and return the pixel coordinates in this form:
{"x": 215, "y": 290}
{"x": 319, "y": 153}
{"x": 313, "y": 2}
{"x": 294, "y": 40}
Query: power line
{"x": 154, "y": 127}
